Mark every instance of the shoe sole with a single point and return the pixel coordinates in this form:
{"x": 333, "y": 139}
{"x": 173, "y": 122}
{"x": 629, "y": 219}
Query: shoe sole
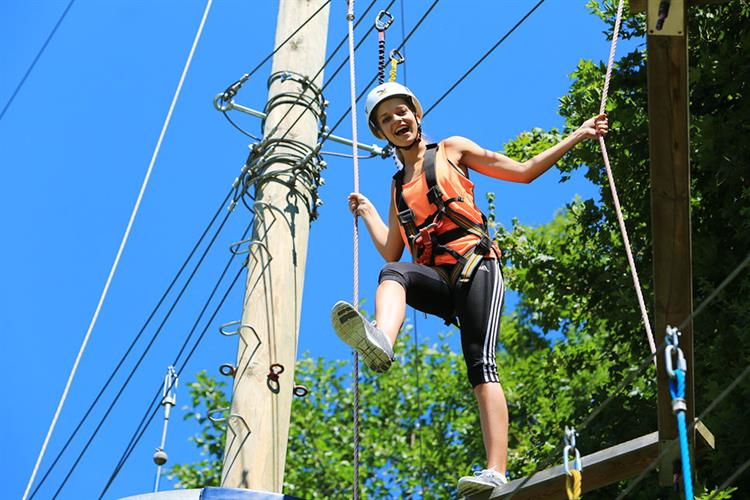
{"x": 472, "y": 488}
{"x": 350, "y": 328}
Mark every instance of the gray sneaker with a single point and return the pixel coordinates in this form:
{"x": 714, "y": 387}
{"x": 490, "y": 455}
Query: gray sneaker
{"x": 368, "y": 340}
{"x": 485, "y": 480}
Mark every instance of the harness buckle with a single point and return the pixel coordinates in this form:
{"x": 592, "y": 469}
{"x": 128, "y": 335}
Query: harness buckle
{"x": 423, "y": 242}
{"x": 435, "y": 196}
{"x": 484, "y": 246}
{"x": 406, "y": 217}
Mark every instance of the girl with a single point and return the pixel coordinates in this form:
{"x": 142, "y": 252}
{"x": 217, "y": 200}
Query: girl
{"x": 455, "y": 274}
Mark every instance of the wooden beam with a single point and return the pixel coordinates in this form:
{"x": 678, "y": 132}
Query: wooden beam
{"x": 640, "y": 5}
{"x": 670, "y": 214}
{"x": 604, "y": 467}
{"x": 617, "y": 463}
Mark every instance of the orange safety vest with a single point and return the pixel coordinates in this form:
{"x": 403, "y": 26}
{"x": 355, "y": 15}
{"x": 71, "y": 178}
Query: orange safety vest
{"x": 439, "y": 221}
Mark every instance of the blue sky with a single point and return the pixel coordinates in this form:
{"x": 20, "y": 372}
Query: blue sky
{"x": 75, "y": 145}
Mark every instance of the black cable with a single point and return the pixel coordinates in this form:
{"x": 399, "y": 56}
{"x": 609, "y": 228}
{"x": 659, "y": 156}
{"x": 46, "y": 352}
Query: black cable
{"x": 497, "y": 44}
{"x": 143, "y": 355}
{"x": 38, "y": 55}
{"x": 330, "y": 78}
{"x": 140, "y": 431}
{"x": 359, "y": 97}
{"x": 134, "y": 442}
{"x": 168, "y": 289}
{"x": 153, "y": 313}
{"x": 140, "y": 333}
{"x": 243, "y": 131}
{"x": 413, "y": 30}
{"x": 232, "y": 91}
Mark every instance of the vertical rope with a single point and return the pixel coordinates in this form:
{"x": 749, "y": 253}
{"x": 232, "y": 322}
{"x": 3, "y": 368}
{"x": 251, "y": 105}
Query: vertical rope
{"x": 677, "y": 391}
{"x": 613, "y": 189}
{"x": 119, "y": 252}
{"x": 350, "y": 19}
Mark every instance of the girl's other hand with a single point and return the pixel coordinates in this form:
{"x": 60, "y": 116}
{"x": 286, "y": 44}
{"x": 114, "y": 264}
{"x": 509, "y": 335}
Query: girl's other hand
{"x": 595, "y": 127}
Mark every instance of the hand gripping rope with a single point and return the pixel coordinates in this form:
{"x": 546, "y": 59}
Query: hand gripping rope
{"x": 615, "y": 199}
{"x": 355, "y": 301}
{"x": 573, "y": 478}
{"x": 679, "y": 406}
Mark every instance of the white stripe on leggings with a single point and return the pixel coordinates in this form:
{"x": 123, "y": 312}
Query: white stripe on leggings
{"x": 489, "y": 345}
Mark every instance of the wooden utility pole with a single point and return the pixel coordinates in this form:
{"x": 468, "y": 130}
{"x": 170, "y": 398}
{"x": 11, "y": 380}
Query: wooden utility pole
{"x": 258, "y": 425}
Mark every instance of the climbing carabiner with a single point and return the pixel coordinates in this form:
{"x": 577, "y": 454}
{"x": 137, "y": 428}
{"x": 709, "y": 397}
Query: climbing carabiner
{"x": 383, "y": 21}
{"x": 395, "y": 55}
{"x": 673, "y": 353}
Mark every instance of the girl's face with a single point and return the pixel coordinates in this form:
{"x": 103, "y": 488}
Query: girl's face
{"x": 397, "y": 121}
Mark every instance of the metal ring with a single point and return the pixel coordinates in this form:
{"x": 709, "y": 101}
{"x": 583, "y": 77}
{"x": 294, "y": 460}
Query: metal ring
{"x": 300, "y": 391}
{"x": 383, "y": 21}
{"x": 227, "y": 369}
{"x": 276, "y": 369}
{"x": 222, "y": 104}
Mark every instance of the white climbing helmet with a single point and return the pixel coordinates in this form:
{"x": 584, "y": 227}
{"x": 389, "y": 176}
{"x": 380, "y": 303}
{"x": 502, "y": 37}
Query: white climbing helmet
{"x": 386, "y": 91}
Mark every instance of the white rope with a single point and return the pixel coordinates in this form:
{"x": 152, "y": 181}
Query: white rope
{"x": 119, "y": 254}
{"x": 355, "y": 375}
{"x": 615, "y": 199}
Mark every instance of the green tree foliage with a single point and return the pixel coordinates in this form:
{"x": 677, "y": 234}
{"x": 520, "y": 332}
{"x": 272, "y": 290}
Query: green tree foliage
{"x": 576, "y": 333}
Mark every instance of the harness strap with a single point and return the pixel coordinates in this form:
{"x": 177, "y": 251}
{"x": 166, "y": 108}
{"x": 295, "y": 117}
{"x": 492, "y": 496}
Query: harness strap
{"x": 423, "y": 243}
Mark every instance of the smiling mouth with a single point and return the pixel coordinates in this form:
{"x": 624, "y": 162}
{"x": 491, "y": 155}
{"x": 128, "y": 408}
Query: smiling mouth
{"x": 402, "y": 130}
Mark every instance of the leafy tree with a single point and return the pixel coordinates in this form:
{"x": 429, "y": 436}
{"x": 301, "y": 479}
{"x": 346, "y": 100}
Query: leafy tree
{"x": 576, "y": 332}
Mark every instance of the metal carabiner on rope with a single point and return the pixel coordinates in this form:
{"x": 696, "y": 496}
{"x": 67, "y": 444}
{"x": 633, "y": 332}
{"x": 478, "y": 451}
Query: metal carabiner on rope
{"x": 570, "y": 445}
{"x": 673, "y": 351}
{"x": 396, "y": 55}
{"x": 396, "y": 59}
{"x": 383, "y": 21}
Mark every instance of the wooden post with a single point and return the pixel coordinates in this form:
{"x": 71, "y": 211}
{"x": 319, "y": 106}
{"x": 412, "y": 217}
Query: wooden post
{"x": 669, "y": 146}
{"x": 258, "y": 426}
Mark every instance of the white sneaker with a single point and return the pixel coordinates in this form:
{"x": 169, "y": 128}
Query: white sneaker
{"x": 368, "y": 340}
{"x": 484, "y": 480}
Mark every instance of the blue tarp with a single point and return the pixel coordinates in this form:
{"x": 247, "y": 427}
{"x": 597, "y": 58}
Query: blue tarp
{"x": 240, "y": 494}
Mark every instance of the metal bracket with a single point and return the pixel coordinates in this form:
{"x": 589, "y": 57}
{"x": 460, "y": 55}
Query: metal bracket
{"x": 673, "y": 23}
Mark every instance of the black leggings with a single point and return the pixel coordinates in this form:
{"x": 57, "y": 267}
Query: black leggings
{"x": 477, "y": 305}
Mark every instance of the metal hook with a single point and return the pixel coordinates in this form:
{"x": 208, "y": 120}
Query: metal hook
{"x": 576, "y": 461}
{"x": 220, "y": 419}
{"x": 383, "y": 21}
